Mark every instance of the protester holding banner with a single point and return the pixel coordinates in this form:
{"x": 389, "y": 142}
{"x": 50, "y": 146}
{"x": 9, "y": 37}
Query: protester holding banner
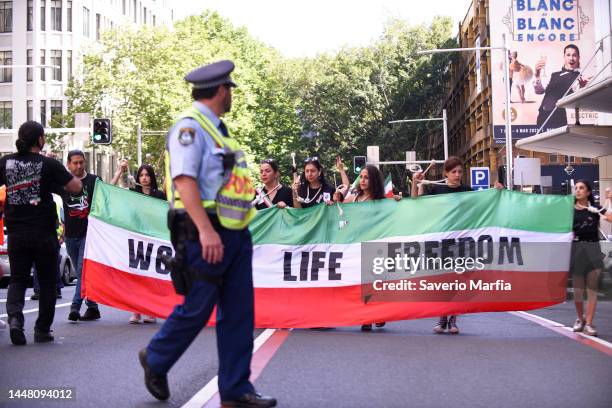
{"x": 453, "y": 173}
{"x": 311, "y": 188}
{"x": 146, "y": 183}
{"x": 273, "y": 192}
{"x": 586, "y": 261}
{"x": 76, "y": 213}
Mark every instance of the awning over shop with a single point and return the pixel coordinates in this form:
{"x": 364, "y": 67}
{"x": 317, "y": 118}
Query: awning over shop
{"x": 573, "y": 140}
{"x": 595, "y": 97}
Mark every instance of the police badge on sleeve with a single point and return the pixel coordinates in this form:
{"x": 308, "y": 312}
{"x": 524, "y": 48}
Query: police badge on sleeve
{"x": 186, "y": 136}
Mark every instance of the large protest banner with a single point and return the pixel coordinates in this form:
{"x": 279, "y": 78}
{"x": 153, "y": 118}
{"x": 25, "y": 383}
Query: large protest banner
{"x": 538, "y": 32}
{"x": 312, "y": 267}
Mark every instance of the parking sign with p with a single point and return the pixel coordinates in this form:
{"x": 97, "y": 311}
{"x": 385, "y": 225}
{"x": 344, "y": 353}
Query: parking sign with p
{"x": 479, "y": 178}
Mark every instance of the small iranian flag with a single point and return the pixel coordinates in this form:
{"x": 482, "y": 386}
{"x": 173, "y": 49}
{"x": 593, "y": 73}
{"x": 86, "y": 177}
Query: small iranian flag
{"x": 388, "y": 187}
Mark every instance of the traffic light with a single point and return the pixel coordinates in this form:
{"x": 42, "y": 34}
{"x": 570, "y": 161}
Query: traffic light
{"x": 102, "y": 132}
{"x": 359, "y": 162}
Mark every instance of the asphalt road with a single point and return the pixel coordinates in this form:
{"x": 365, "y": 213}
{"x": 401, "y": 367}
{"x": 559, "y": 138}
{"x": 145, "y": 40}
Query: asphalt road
{"x": 498, "y": 360}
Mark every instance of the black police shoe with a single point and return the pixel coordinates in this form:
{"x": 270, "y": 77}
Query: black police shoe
{"x": 35, "y": 296}
{"x": 92, "y": 313}
{"x": 156, "y": 384}
{"x": 42, "y": 337}
{"x": 251, "y": 400}
{"x": 74, "y": 315}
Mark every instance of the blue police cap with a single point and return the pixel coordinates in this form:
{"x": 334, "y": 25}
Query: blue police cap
{"x": 211, "y": 75}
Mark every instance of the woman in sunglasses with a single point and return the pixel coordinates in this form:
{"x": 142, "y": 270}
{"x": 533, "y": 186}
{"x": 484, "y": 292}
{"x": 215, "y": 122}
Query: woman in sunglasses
{"x": 311, "y": 188}
{"x": 273, "y": 192}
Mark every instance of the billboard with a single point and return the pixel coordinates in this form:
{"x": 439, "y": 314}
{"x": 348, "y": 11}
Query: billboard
{"x": 550, "y": 43}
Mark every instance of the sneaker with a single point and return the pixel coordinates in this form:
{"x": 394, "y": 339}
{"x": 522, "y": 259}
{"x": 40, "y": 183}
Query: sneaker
{"x": 366, "y": 327}
{"x": 589, "y": 330}
{"x": 59, "y": 294}
{"x": 149, "y": 319}
{"x": 441, "y": 326}
{"x": 74, "y": 315}
{"x": 92, "y": 313}
{"x": 578, "y": 325}
{"x": 35, "y": 296}
{"x": 134, "y": 319}
{"x": 381, "y": 324}
{"x": 452, "y": 325}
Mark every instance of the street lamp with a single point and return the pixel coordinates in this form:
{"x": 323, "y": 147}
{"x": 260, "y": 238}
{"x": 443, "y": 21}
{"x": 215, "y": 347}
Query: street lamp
{"x": 509, "y": 165}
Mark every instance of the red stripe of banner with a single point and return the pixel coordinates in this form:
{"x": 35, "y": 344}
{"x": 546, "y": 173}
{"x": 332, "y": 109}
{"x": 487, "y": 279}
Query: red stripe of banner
{"x": 311, "y": 307}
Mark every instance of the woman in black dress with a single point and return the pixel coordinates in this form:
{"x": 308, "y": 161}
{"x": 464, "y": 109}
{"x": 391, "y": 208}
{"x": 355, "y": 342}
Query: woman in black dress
{"x": 311, "y": 188}
{"x": 273, "y": 192}
{"x": 453, "y": 171}
{"x": 586, "y": 263}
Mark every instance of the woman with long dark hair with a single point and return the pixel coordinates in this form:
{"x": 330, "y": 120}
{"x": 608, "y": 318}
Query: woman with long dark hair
{"x": 311, "y": 188}
{"x": 273, "y": 192}
{"x": 146, "y": 183}
{"x": 586, "y": 260}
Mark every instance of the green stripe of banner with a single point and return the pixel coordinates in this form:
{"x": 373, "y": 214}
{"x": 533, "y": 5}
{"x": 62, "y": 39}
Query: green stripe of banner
{"x": 366, "y": 221}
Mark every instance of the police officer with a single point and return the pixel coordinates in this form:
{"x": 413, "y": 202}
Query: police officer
{"x": 30, "y": 212}
{"x": 210, "y": 195}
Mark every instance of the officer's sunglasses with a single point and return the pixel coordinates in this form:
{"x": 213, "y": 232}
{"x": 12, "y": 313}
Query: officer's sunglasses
{"x": 312, "y": 160}
{"x": 268, "y": 161}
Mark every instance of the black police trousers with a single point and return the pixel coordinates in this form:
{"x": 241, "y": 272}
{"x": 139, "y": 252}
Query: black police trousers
{"x": 25, "y": 250}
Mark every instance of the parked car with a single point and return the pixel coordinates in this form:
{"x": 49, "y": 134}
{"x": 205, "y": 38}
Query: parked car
{"x": 68, "y": 273}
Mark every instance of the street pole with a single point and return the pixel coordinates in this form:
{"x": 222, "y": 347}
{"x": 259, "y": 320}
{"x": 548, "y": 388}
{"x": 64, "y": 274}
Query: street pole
{"x": 445, "y": 134}
{"x": 509, "y": 165}
{"x": 139, "y": 135}
{"x": 504, "y": 47}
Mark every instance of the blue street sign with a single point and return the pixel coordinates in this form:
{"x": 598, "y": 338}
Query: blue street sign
{"x": 480, "y": 177}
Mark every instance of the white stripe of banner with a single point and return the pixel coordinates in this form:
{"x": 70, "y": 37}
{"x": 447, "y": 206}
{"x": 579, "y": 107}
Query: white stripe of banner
{"x": 140, "y": 255}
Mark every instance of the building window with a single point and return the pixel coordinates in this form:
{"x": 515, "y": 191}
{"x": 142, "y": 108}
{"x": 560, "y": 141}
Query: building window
{"x": 69, "y": 64}
{"x": 29, "y": 61}
{"x": 30, "y": 15}
{"x": 85, "y": 22}
{"x": 144, "y": 16}
{"x": 6, "y": 115}
{"x": 98, "y": 23}
{"x": 6, "y": 58}
{"x": 56, "y": 59}
{"x": 69, "y": 16}
{"x": 6, "y": 16}
{"x": 124, "y": 6}
{"x": 30, "y": 111}
{"x": 135, "y": 11}
{"x": 43, "y": 113}
{"x": 553, "y": 158}
{"x": 43, "y": 9}
{"x": 587, "y": 160}
{"x": 56, "y": 15}
{"x": 56, "y": 114}
{"x": 154, "y": 23}
{"x": 571, "y": 159}
{"x": 43, "y": 70}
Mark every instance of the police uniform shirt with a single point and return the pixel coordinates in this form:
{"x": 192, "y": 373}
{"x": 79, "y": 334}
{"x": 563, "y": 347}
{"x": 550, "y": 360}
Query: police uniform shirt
{"x": 194, "y": 153}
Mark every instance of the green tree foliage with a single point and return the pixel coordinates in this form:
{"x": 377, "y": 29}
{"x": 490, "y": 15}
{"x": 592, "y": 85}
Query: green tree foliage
{"x": 324, "y": 106}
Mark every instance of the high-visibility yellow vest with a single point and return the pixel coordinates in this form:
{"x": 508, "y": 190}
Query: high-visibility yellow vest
{"x": 233, "y": 203}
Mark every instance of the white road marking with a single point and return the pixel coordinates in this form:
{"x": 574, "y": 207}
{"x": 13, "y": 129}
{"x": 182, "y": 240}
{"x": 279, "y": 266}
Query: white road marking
{"x": 562, "y": 326}
{"x": 210, "y": 389}
{"x": 36, "y": 310}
